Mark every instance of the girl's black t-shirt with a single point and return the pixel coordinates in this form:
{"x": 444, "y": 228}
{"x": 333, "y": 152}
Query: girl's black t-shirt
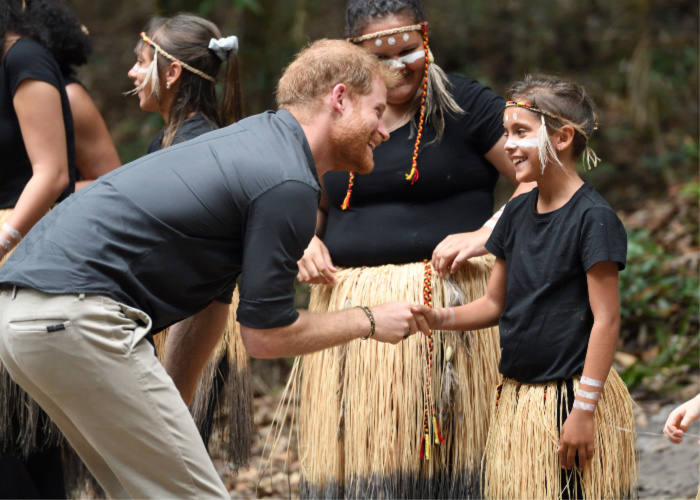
{"x": 547, "y": 320}
{"x": 194, "y": 126}
{"x": 26, "y": 59}
{"x": 391, "y": 221}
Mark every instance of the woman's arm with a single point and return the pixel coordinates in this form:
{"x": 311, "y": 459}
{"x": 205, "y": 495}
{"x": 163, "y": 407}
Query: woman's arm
{"x": 316, "y": 266}
{"x": 451, "y": 252}
{"x": 95, "y": 154}
{"x": 38, "y": 108}
{"x": 577, "y": 434}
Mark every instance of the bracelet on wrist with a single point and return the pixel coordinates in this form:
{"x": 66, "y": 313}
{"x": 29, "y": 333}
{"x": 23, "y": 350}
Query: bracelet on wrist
{"x": 372, "y": 325}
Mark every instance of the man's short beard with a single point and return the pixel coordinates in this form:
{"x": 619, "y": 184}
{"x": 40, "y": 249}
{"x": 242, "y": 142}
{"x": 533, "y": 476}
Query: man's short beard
{"x": 349, "y": 140}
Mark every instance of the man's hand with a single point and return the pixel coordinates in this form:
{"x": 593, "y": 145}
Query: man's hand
{"x": 577, "y": 435}
{"x": 680, "y": 419}
{"x": 394, "y": 322}
{"x": 454, "y": 250}
{"x": 316, "y": 267}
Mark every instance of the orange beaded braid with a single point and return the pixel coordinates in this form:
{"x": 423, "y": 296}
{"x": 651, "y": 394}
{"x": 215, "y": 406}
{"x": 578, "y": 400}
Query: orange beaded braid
{"x": 413, "y": 174}
{"x": 428, "y": 406}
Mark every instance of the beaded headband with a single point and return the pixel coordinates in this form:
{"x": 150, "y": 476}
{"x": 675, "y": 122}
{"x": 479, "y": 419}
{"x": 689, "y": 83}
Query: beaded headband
{"x": 546, "y": 149}
{"x": 175, "y": 59}
{"x": 393, "y": 31}
{"x": 534, "y": 108}
{"x": 423, "y": 28}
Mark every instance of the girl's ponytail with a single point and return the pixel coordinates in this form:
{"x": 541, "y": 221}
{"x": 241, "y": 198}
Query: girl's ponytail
{"x": 232, "y": 100}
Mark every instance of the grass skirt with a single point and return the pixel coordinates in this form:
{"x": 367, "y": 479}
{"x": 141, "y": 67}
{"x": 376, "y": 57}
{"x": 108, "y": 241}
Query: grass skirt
{"x": 361, "y": 404}
{"x": 521, "y": 459}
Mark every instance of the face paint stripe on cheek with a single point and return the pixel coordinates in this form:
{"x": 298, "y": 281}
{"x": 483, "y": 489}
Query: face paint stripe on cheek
{"x": 522, "y": 143}
{"x": 412, "y": 57}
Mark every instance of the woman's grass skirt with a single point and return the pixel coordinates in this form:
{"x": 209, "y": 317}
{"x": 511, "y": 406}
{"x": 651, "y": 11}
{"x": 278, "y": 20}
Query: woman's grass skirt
{"x": 361, "y": 414}
{"x": 521, "y": 459}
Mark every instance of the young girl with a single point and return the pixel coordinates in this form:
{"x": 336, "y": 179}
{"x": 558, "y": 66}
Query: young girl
{"x": 563, "y": 424}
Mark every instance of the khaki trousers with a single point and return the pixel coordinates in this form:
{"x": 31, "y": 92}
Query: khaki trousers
{"x": 85, "y": 360}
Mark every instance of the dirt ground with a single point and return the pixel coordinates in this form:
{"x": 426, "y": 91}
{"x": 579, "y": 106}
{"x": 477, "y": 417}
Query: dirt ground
{"x": 666, "y": 470}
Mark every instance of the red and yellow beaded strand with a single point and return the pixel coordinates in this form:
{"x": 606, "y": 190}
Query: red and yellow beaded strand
{"x": 428, "y": 405}
{"x": 413, "y": 174}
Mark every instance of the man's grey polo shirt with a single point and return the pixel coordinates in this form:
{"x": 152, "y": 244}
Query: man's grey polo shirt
{"x": 171, "y": 232}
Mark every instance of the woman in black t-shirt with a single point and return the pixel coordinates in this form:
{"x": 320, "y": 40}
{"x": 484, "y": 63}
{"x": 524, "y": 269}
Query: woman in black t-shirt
{"x": 430, "y": 196}
{"x": 36, "y": 171}
{"x": 178, "y": 59}
{"x": 70, "y": 44}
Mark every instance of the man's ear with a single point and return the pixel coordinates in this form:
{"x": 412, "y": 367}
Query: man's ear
{"x": 172, "y": 74}
{"x": 339, "y": 98}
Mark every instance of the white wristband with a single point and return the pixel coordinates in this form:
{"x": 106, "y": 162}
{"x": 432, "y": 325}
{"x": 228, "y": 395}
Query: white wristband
{"x": 16, "y": 235}
{"x": 583, "y": 406}
{"x": 595, "y": 396}
{"x": 590, "y": 381}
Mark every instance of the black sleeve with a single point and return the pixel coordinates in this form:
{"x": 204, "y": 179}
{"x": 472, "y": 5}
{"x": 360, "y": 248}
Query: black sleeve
{"x": 484, "y": 113}
{"x": 32, "y": 61}
{"x": 603, "y": 238}
{"x": 279, "y": 227}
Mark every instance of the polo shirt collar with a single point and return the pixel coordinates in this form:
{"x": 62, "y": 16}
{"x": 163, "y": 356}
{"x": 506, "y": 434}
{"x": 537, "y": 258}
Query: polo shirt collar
{"x": 293, "y": 125}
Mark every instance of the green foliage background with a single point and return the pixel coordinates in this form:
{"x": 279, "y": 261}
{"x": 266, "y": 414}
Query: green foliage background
{"x": 637, "y": 58}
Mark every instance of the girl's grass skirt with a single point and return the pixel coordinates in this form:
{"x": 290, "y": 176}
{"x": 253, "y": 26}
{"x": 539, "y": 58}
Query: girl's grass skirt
{"x": 361, "y": 418}
{"x": 521, "y": 459}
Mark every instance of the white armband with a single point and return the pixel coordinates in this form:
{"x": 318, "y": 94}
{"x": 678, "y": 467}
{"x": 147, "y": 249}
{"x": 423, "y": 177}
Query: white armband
{"x": 583, "y": 406}
{"x": 494, "y": 218}
{"x": 14, "y": 234}
{"x": 591, "y": 381}
{"x": 595, "y": 396}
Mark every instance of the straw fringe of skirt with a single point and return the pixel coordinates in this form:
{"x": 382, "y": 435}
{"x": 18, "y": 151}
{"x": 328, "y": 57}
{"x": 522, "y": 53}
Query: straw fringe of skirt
{"x": 521, "y": 459}
{"x": 361, "y": 405}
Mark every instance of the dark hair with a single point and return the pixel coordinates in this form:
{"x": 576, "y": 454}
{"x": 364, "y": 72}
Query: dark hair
{"x": 67, "y": 41}
{"x": 359, "y": 13}
{"x": 438, "y": 100}
{"x": 186, "y": 37}
{"x": 561, "y": 97}
{"x": 14, "y": 20}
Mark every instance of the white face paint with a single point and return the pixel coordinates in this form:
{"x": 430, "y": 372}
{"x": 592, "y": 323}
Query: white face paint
{"x": 142, "y": 70}
{"x": 521, "y": 143}
{"x": 378, "y": 42}
{"x": 506, "y": 117}
{"x": 405, "y": 37}
{"x": 391, "y": 40}
{"x": 405, "y": 60}
{"x": 515, "y": 116}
